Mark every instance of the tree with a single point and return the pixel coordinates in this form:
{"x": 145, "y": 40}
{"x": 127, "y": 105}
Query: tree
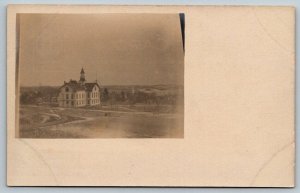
{"x": 24, "y": 98}
{"x": 123, "y": 97}
{"x": 105, "y": 95}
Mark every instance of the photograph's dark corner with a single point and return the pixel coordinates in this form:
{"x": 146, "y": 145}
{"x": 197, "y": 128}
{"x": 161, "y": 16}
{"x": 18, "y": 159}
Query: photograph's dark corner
{"x": 182, "y": 25}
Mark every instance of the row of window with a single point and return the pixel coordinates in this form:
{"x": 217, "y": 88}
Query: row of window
{"x": 95, "y": 101}
{"x": 77, "y": 103}
{"x": 77, "y": 96}
{"x": 81, "y": 95}
{"x": 95, "y": 94}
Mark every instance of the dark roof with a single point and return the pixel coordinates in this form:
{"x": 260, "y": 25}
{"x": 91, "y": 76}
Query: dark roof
{"x": 73, "y": 82}
{"x": 89, "y": 86}
{"x": 77, "y": 86}
{"x": 74, "y": 85}
{"x": 82, "y": 71}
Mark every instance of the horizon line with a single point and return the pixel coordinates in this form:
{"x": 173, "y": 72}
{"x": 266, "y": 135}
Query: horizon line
{"x": 104, "y": 85}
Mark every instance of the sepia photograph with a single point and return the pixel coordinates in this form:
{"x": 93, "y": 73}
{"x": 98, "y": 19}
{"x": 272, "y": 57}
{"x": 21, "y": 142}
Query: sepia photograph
{"x": 104, "y": 75}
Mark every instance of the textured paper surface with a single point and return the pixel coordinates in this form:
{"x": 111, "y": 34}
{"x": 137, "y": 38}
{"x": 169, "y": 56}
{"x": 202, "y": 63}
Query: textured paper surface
{"x": 239, "y": 110}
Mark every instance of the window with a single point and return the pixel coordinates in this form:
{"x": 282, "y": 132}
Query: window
{"x": 67, "y": 89}
{"x": 67, "y": 96}
{"x": 72, "y": 96}
{"x": 72, "y": 103}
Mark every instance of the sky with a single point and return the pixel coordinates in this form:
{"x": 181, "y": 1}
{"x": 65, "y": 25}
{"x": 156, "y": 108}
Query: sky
{"x": 115, "y": 49}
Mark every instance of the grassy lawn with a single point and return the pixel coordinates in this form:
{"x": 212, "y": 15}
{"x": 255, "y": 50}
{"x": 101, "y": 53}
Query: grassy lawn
{"x": 104, "y": 122}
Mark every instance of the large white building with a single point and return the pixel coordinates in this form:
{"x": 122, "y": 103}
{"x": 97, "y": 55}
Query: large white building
{"x": 79, "y": 93}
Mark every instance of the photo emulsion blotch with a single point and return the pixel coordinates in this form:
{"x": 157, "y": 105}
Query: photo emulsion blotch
{"x": 100, "y": 75}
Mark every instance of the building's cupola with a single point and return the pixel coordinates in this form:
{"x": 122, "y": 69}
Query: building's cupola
{"x": 82, "y": 77}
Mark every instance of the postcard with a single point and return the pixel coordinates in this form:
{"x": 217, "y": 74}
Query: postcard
{"x": 159, "y": 96}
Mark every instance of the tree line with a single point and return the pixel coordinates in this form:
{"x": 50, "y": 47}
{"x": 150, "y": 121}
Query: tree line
{"x": 107, "y": 96}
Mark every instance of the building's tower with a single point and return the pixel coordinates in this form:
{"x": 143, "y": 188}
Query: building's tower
{"x": 82, "y": 77}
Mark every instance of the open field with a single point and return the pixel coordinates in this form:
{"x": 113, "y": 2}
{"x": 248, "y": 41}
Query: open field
{"x": 122, "y": 121}
{"x": 125, "y": 112}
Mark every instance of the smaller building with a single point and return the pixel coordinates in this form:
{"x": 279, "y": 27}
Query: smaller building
{"x": 79, "y": 93}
